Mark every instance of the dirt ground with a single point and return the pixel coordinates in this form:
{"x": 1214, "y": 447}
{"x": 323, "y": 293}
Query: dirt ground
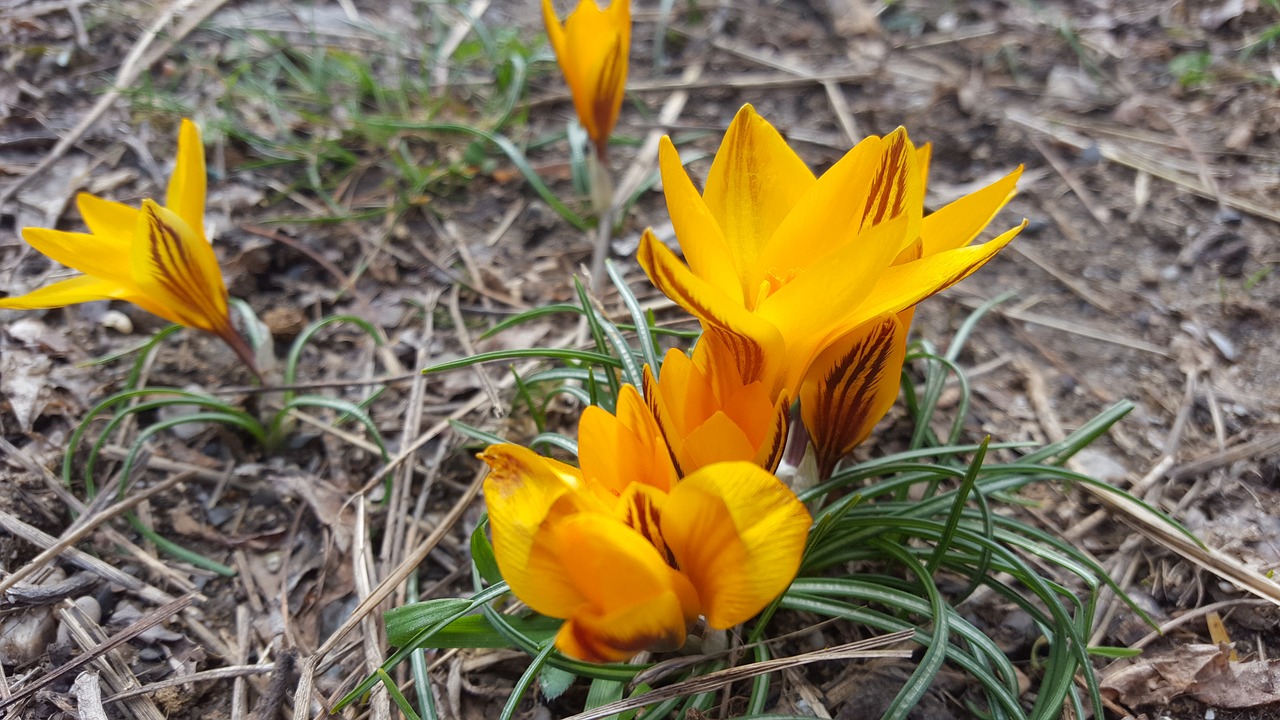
{"x": 1150, "y": 133}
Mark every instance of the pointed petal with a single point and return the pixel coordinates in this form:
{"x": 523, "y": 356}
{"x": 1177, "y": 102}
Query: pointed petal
{"x": 526, "y": 495}
{"x": 177, "y": 269}
{"x": 633, "y": 600}
{"x": 639, "y": 507}
{"x": 555, "y": 31}
{"x": 817, "y": 301}
{"x": 83, "y": 288}
{"x": 755, "y": 181}
{"x": 958, "y": 223}
{"x": 897, "y": 189}
{"x": 701, "y": 239}
{"x": 186, "y": 193}
{"x": 96, "y": 255}
{"x": 111, "y": 223}
{"x": 755, "y": 345}
{"x": 850, "y": 386}
{"x": 902, "y": 286}
{"x": 924, "y": 158}
{"x": 738, "y": 534}
{"x": 828, "y": 215}
{"x": 769, "y": 451}
{"x": 677, "y": 401}
{"x": 617, "y": 450}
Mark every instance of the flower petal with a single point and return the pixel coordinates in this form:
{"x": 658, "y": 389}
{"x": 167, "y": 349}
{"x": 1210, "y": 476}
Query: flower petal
{"x": 526, "y": 494}
{"x": 701, "y": 239}
{"x": 97, "y": 255}
{"x": 769, "y": 451}
{"x": 902, "y": 286}
{"x": 959, "y": 222}
{"x": 177, "y": 269}
{"x": 555, "y": 31}
{"x": 754, "y": 182}
{"x": 755, "y": 345}
{"x": 111, "y": 223}
{"x": 828, "y": 215}
{"x": 82, "y": 288}
{"x": 738, "y": 534}
{"x": 618, "y": 450}
{"x": 633, "y": 600}
{"x": 186, "y": 192}
{"x": 716, "y": 439}
{"x": 850, "y": 386}
{"x": 820, "y": 300}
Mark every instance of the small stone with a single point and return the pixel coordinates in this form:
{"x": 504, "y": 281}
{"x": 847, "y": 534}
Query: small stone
{"x": 284, "y": 322}
{"x": 90, "y": 607}
{"x": 118, "y": 321}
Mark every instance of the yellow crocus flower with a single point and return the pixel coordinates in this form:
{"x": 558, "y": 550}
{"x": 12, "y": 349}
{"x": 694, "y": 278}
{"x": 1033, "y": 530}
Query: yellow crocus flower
{"x": 591, "y": 48}
{"x": 781, "y": 264}
{"x": 708, "y": 415}
{"x": 631, "y": 569}
{"x": 156, "y": 257}
{"x": 853, "y": 381}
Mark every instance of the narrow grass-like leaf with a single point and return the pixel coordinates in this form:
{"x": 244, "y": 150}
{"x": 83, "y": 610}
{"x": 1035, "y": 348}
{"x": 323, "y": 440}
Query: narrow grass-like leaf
{"x": 475, "y": 433}
{"x": 173, "y": 549}
{"x": 292, "y": 359}
{"x": 346, "y": 407}
{"x": 966, "y": 328}
{"x": 957, "y": 509}
{"x": 648, "y": 350}
{"x": 420, "y": 639}
{"x": 486, "y": 563}
{"x": 144, "y": 347}
{"x": 603, "y": 692}
{"x": 936, "y": 654}
{"x": 396, "y": 696}
{"x": 529, "y": 315}
{"x": 596, "y": 323}
{"x": 555, "y": 440}
{"x": 522, "y": 391}
{"x": 526, "y": 679}
{"x": 564, "y": 355}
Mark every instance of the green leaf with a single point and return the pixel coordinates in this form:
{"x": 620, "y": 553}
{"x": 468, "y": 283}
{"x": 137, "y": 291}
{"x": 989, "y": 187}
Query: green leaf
{"x": 482, "y": 554}
{"x": 468, "y": 631}
{"x": 1107, "y": 651}
{"x": 555, "y": 681}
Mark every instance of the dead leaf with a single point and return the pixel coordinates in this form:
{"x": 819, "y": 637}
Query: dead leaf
{"x": 1157, "y": 678}
{"x": 1243, "y": 685}
{"x": 23, "y": 377}
{"x": 1202, "y": 671}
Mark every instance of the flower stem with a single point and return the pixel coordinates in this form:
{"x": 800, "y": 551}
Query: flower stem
{"x": 242, "y": 350}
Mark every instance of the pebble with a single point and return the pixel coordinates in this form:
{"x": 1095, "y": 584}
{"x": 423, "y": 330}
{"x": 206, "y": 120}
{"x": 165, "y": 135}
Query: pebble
{"x": 90, "y": 607}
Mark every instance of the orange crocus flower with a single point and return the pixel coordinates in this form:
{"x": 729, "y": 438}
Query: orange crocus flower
{"x": 592, "y": 48}
{"x": 628, "y": 555}
{"x": 708, "y": 415}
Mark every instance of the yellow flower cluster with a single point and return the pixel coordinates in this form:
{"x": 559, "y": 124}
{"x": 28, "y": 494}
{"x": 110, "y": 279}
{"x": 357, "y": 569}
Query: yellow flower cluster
{"x": 807, "y": 285}
{"x": 805, "y": 288}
